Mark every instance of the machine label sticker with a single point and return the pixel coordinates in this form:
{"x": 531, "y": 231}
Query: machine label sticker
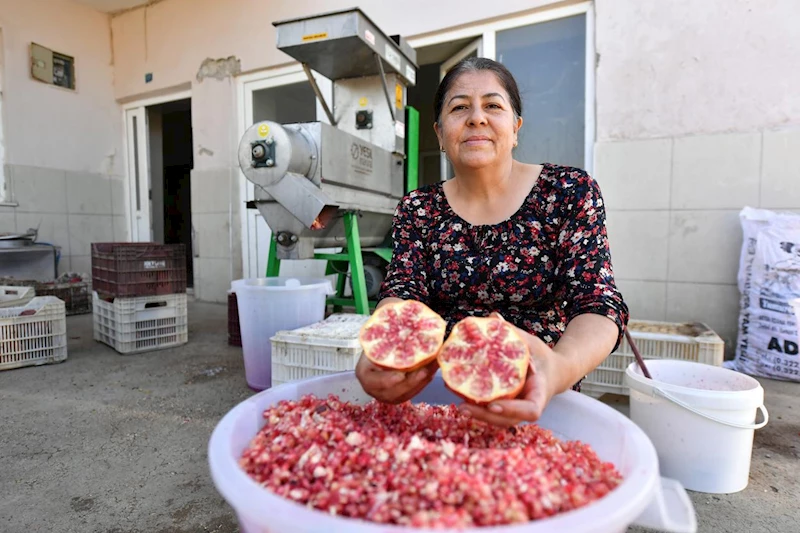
{"x": 369, "y": 37}
{"x": 263, "y": 130}
{"x": 398, "y": 96}
{"x": 315, "y": 36}
{"x": 392, "y": 58}
{"x": 363, "y": 101}
{"x": 400, "y": 129}
{"x": 361, "y": 158}
{"x": 411, "y": 74}
{"x": 150, "y": 265}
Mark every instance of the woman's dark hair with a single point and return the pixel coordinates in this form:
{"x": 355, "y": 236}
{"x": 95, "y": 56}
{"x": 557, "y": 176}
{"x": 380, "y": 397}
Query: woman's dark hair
{"x": 476, "y": 64}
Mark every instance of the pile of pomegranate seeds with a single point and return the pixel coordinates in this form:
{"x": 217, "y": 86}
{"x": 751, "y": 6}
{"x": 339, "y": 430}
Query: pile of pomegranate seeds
{"x": 420, "y": 465}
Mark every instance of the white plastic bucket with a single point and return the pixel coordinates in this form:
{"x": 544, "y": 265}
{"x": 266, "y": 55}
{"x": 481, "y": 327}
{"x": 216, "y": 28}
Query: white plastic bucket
{"x": 701, "y": 419}
{"x": 643, "y": 498}
{"x": 269, "y": 305}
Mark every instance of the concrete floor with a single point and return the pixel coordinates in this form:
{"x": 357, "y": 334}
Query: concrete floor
{"x": 117, "y": 444}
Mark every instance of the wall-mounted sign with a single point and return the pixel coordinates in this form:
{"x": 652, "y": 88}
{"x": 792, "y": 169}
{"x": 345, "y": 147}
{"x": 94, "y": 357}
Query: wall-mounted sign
{"x": 52, "y": 67}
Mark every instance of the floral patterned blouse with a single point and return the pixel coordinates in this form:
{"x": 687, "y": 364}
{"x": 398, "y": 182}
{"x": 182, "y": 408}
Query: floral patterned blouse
{"x": 546, "y": 264}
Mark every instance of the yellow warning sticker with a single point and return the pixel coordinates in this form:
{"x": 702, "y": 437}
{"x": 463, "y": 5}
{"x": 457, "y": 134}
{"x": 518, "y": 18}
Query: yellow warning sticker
{"x": 362, "y": 101}
{"x": 315, "y": 36}
{"x": 263, "y": 130}
{"x": 398, "y": 96}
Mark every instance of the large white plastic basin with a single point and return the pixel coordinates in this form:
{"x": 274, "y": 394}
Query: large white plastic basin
{"x": 643, "y": 498}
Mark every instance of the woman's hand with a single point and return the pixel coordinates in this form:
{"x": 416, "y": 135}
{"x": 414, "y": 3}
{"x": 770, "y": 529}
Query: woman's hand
{"x": 540, "y": 386}
{"x": 393, "y": 386}
{"x": 588, "y": 339}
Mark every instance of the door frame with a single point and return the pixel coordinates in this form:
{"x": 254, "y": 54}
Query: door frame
{"x": 475, "y": 46}
{"x": 246, "y": 85}
{"x": 139, "y": 108}
{"x": 486, "y": 32}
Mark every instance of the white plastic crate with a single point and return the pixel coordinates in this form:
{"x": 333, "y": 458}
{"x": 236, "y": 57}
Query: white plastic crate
{"x": 323, "y": 348}
{"x": 15, "y": 296}
{"x": 655, "y": 340}
{"x": 141, "y": 324}
{"x": 37, "y": 337}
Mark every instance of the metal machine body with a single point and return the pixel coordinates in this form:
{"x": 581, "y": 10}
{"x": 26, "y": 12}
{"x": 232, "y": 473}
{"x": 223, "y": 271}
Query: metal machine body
{"x": 319, "y": 171}
{"x": 309, "y": 176}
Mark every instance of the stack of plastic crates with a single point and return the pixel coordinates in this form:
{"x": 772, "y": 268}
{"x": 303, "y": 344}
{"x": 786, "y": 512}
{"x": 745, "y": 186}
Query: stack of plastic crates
{"x": 139, "y": 298}
{"x": 33, "y": 333}
{"x": 323, "y": 348}
{"x": 655, "y": 340}
{"x": 76, "y": 294}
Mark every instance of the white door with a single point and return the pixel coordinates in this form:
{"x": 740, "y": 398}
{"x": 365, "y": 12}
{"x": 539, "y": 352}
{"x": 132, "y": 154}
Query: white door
{"x": 284, "y": 97}
{"x": 473, "y": 49}
{"x": 137, "y": 151}
{"x": 138, "y": 159}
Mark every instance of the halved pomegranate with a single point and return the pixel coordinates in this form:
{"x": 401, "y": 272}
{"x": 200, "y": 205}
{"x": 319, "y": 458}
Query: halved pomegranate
{"x": 402, "y": 335}
{"x": 484, "y": 360}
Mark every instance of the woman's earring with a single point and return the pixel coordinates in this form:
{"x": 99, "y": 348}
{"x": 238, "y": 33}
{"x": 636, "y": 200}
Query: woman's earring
{"x": 515, "y": 144}
{"x": 442, "y": 149}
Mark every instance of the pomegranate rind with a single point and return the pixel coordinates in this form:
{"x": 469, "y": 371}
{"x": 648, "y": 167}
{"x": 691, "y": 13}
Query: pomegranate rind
{"x": 467, "y": 356}
{"x": 418, "y": 333}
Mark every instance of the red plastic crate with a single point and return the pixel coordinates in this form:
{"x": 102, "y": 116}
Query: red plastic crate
{"x": 133, "y": 269}
{"x": 76, "y": 296}
{"x": 234, "y": 331}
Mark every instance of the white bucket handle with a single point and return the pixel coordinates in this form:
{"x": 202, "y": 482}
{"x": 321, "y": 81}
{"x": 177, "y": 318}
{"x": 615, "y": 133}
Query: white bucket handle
{"x": 688, "y": 407}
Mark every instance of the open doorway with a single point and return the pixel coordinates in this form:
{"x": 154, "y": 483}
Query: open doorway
{"x": 171, "y": 162}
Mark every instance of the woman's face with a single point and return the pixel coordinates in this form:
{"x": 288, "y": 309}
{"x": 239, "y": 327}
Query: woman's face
{"x": 478, "y": 127}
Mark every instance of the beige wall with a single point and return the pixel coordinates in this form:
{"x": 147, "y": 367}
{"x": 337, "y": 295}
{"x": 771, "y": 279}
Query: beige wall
{"x": 63, "y": 155}
{"x": 215, "y": 189}
{"x": 685, "y": 67}
{"x": 697, "y": 116}
{"x": 172, "y": 38}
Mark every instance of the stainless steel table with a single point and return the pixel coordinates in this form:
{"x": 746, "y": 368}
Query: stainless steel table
{"x": 33, "y": 261}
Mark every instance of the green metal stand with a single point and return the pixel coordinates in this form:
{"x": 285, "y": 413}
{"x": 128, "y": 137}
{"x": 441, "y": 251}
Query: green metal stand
{"x": 412, "y": 149}
{"x": 273, "y": 263}
{"x": 351, "y": 258}
{"x": 338, "y": 263}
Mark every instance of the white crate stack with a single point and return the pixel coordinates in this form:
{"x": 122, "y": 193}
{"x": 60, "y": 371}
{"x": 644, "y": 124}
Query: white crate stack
{"x": 141, "y": 324}
{"x": 655, "y": 340}
{"x": 139, "y": 301}
{"x": 323, "y": 348}
{"x": 33, "y": 333}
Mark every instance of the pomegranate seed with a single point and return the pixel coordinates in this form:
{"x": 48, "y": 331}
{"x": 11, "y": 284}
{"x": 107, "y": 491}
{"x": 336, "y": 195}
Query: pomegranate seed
{"x": 420, "y": 465}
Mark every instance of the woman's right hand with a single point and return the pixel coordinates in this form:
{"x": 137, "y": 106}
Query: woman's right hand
{"x": 393, "y": 386}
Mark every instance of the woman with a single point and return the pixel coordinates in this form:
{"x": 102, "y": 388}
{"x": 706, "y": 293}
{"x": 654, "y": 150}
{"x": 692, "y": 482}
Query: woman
{"x": 527, "y": 242}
